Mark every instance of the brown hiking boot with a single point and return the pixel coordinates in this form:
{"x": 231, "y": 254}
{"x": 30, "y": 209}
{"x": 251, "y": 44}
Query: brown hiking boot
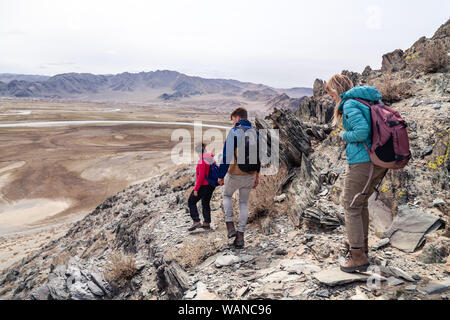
{"x": 358, "y": 261}
{"x": 206, "y": 225}
{"x": 239, "y": 241}
{"x": 231, "y": 230}
{"x": 366, "y": 246}
{"x": 196, "y": 225}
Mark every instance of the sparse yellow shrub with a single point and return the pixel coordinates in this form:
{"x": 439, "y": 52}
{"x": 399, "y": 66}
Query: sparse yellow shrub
{"x": 121, "y": 268}
{"x": 191, "y": 253}
{"x": 391, "y": 90}
{"x": 262, "y": 201}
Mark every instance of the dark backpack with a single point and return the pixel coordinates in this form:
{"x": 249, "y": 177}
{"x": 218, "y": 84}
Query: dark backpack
{"x": 249, "y": 142}
{"x": 390, "y": 143}
{"x": 212, "y": 175}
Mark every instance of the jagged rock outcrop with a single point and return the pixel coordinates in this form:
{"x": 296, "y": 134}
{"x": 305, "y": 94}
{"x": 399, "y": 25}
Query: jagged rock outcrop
{"x": 172, "y": 279}
{"x": 393, "y": 61}
{"x": 354, "y": 76}
{"x": 319, "y": 88}
{"x": 303, "y": 179}
{"x": 318, "y": 108}
{"x": 73, "y": 281}
{"x": 294, "y": 141}
{"x": 398, "y": 59}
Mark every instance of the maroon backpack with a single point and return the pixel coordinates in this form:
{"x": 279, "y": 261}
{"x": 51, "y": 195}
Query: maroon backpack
{"x": 390, "y": 143}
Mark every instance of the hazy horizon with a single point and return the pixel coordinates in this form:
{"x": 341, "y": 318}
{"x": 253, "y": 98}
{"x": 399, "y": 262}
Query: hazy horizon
{"x": 282, "y": 44}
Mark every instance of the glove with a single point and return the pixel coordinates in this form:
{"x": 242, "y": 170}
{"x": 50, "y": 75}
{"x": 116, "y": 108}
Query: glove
{"x": 341, "y": 134}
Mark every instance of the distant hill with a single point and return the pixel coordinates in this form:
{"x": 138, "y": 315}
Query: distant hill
{"x": 8, "y": 77}
{"x": 283, "y": 101}
{"x": 297, "y": 92}
{"x": 162, "y": 85}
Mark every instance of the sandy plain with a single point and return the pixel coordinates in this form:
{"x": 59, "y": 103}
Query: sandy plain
{"x": 53, "y": 176}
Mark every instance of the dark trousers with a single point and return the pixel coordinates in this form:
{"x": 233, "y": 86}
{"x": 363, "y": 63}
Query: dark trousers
{"x": 205, "y": 194}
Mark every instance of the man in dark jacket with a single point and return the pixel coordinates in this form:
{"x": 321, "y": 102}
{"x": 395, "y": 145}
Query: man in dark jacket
{"x": 234, "y": 178}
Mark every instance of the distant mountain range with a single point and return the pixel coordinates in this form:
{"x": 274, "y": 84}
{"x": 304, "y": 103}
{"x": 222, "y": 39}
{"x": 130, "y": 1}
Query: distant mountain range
{"x": 162, "y": 85}
{"x": 8, "y": 77}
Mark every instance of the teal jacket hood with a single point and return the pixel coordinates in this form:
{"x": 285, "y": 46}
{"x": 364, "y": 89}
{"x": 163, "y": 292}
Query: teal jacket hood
{"x": 361, "y": 92}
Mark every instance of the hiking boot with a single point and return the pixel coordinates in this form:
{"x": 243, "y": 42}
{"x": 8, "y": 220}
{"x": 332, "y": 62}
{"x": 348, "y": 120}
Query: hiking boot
{"x": 206, "y": 226}
{"x": 239, "y": 240}
{"x": 366, "y": 246}
{"x": 358, "y": 261}
{"x": 231, "y": 230}
{"x": 196, "y": 225}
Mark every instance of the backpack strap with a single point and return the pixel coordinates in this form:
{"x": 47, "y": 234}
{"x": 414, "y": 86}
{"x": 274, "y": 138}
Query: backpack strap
{"x": 365, "y": 146}
{"x": 242, "y": 127}
{"x": 365, "y": 102}
{"x": 379, "y": 183}
{"x": 363, "y": 192}
{"x": 209, "y": 161}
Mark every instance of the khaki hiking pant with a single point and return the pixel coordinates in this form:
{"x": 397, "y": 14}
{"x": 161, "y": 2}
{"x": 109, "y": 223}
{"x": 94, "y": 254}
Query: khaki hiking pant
{"x": 244, "y": 184}
{"x": 357, "y": 215}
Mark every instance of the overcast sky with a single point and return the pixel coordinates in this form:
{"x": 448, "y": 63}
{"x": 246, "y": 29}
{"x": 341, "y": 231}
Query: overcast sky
{"x": 280, "y": 43}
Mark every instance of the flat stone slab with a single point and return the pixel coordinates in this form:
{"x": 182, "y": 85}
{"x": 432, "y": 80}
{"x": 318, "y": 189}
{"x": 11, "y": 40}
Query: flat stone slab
{"x": 437, "y": 287}
{"x": 411, "y": 288}
{"x": 209, "y": 261}
{"x": 298, "y": 266}
{"x": 392, "y": 281}
{"x": 227, "y": 260}
{"x": 407, "y": 231}
{"x": 380, "y": 244}
{"x": 334, "y": 277}
{"x": 303, "y": 268}
{"x": 399, "y": 273}
{"x": 280, "y": 276}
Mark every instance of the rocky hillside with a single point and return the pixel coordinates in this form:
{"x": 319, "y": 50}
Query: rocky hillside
{"x": 162, "y": 84}
{"x": 135, "y": 244}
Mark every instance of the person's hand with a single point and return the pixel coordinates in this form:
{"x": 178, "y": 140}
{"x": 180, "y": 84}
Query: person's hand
{"x": 256, "y": 181}
{"x": 195, "y": 193}
{"x": 220, "y": 181}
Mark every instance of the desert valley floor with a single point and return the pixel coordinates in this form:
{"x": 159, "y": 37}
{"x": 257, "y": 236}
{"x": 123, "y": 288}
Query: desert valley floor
{"x": 51, "y": 176}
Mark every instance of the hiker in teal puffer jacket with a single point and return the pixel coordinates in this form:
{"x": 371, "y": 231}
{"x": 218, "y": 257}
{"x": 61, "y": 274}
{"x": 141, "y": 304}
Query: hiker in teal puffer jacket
{"x": 356, "y": 120}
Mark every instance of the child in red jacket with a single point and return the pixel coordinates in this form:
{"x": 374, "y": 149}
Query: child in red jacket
{"x": 202, "y": 190}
